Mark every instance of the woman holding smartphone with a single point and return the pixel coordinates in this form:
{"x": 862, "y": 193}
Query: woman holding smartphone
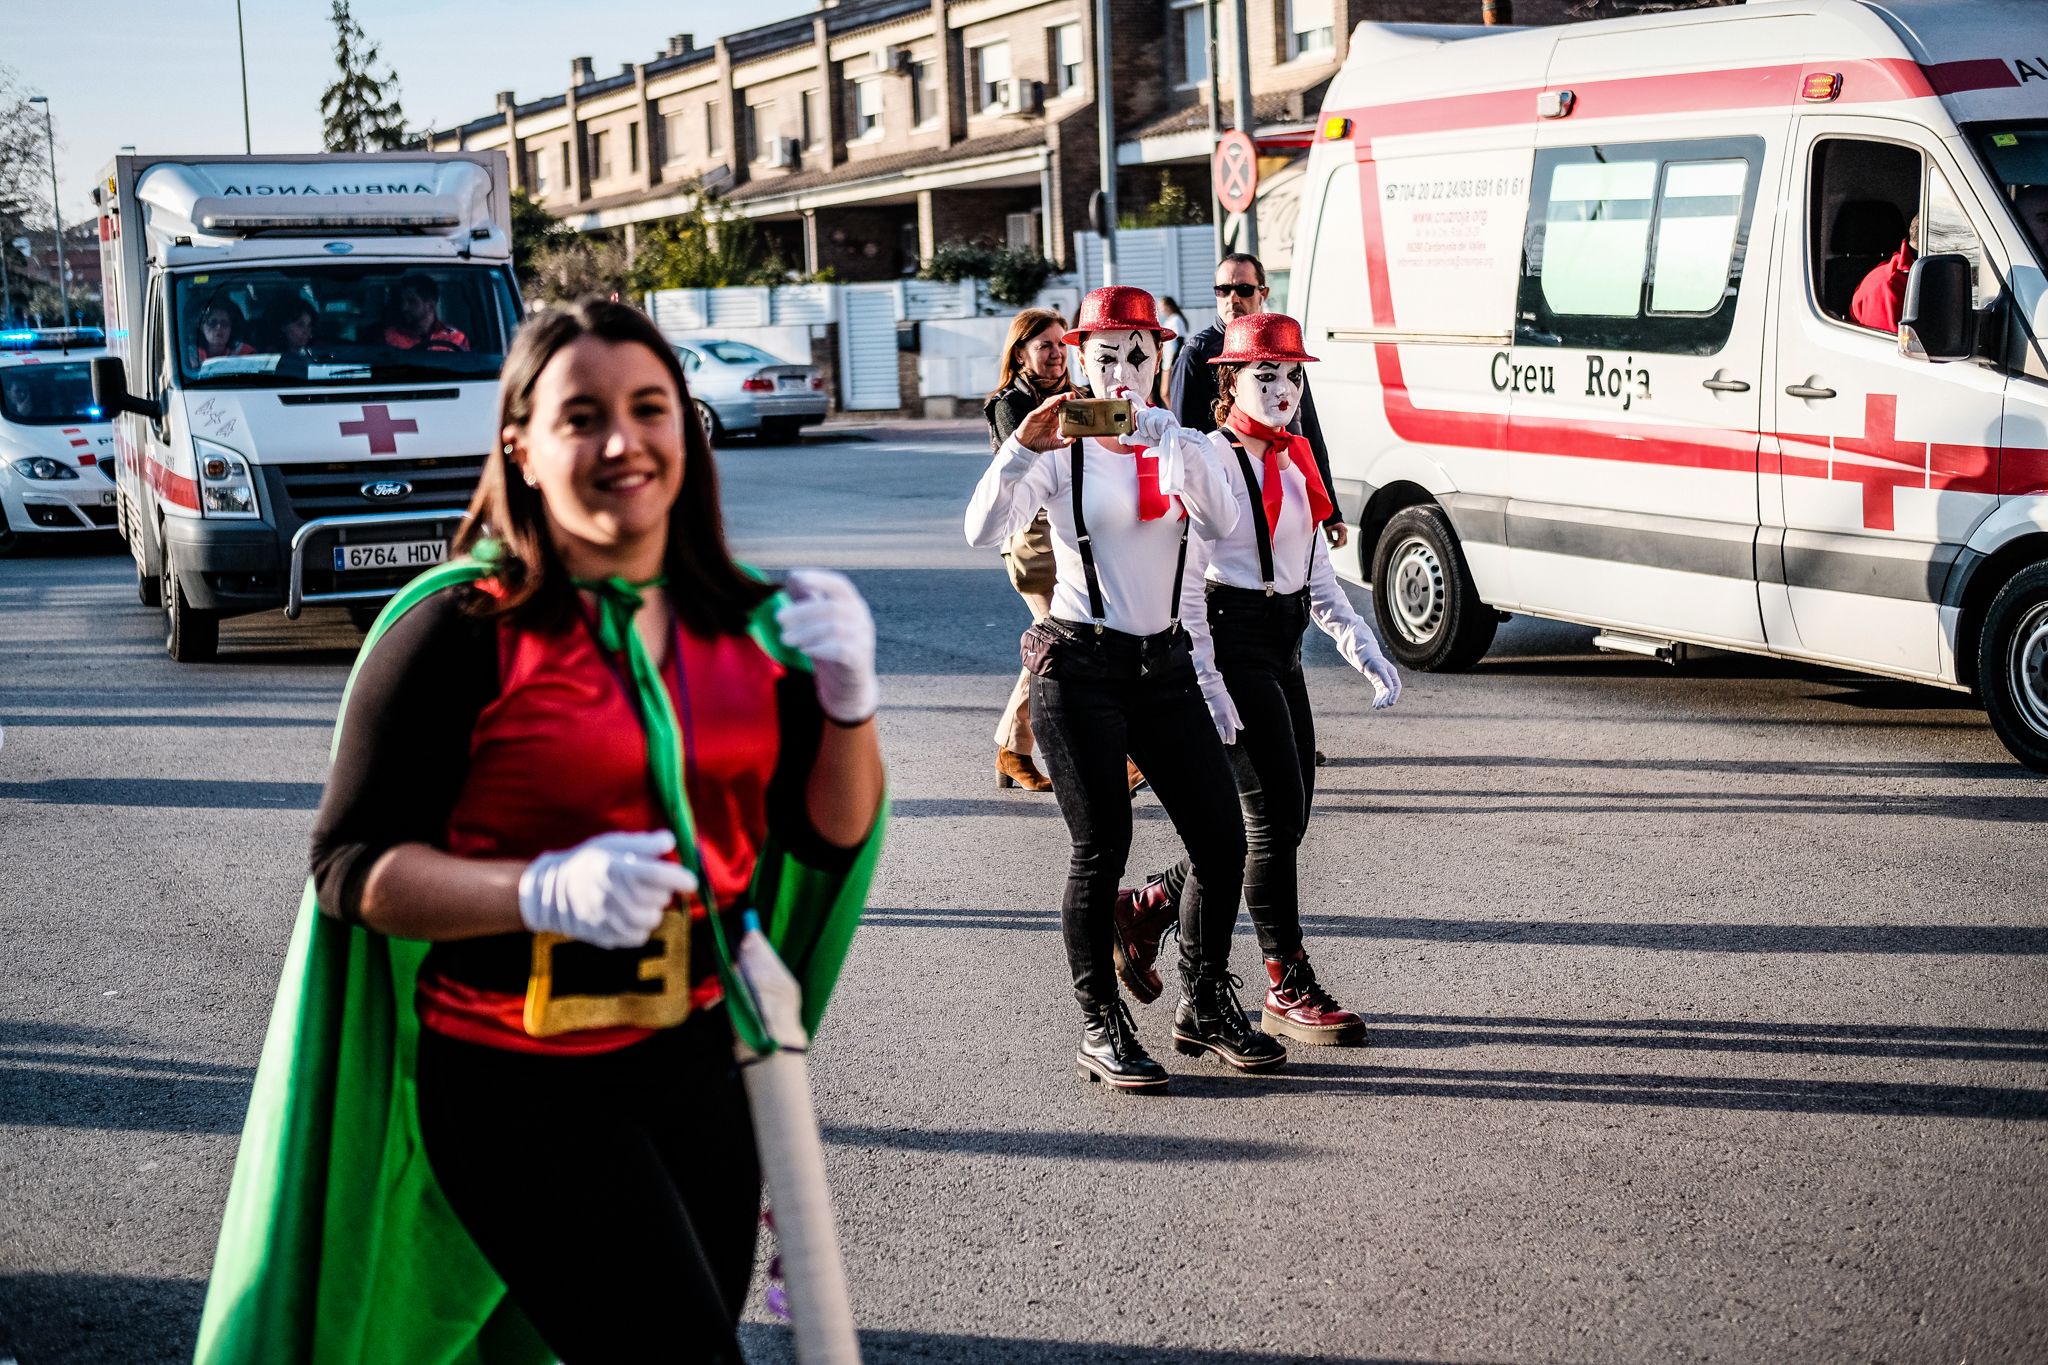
{"x": 1113, "y": 674}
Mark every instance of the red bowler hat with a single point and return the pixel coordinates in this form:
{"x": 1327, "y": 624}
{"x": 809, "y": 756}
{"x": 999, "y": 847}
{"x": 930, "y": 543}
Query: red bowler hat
{"x": 1117, "y": 308}
{"x": 1262, "y": 336}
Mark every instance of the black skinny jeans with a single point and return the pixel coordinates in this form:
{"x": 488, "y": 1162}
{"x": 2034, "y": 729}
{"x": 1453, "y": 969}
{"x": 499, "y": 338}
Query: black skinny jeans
{"x": 1258, "y": 652}
{"x": 1094, "y": 710}
{"x": 617, "y": 1195}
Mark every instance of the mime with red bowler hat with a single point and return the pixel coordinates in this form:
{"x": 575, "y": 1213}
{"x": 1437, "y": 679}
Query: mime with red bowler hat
{"x": 1250, "y": 594}
{"x": 1113, "y": 673}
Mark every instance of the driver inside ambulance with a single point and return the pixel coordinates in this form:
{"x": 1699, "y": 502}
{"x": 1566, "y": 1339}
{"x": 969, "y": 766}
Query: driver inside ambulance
{"x": 1882, "y": 296}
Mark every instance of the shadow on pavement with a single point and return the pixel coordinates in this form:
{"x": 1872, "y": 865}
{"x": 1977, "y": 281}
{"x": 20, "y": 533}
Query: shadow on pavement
{"x": 1880, "y": 770}
{"x": 1146, "y": 1147}
{"x": 53, "y": 1318}
{"x": 770, "y": 1345}
{"x": 1713, "y": 1035}
{"x": 194, "y": 793}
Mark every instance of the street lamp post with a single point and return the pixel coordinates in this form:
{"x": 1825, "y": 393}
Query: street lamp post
{"x": 242, "y": 47}
{"x": 56, "y": 214}
{"x": 1105, "y": 140}
{"x": 1247, "y": 123}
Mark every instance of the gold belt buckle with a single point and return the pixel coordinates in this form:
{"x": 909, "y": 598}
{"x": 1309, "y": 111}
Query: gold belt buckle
{"x": 548, "y": 1014}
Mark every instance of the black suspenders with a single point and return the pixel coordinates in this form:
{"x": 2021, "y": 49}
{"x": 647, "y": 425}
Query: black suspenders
{"x": 1078, "y": 459}
{"x": 1263, "y": 532}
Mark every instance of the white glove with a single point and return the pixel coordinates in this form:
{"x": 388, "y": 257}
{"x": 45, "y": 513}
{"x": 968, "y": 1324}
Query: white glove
{"x": 1386, "y": 681}
{"x": 826, "y": 619}
{"x": 1222, "y": 710}
{"x": 609, "y": 890}
{"x": 1152, "y": 426}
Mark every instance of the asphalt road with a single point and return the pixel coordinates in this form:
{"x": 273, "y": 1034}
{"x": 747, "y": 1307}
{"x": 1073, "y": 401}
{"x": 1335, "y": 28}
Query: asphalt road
{"x": 1708, "y": 1003}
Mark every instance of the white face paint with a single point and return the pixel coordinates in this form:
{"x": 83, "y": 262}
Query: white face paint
{"x": 1269, "y": 392}
{"x": 1121, "y": 364}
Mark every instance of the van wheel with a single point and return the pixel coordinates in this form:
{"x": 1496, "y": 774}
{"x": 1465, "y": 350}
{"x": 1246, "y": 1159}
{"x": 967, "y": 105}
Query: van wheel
{"x": 2012, "y": 666}
{"x": 149, "y": 589}
{"x": 191, "y": 636}
{"x": 1429, "y": 614}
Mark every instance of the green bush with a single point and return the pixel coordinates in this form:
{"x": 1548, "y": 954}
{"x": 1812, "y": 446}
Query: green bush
{"x": 1014, "y": 275}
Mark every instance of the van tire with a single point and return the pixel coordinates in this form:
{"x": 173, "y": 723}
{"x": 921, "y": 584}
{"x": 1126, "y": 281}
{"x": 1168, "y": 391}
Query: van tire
{"x": 191, "y": 636}
{"x": 1429, "y": 614}
{"x": 2012, "y": 665}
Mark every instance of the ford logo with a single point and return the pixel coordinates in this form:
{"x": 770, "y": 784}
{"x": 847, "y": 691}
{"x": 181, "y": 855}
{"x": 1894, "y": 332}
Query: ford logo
{"x": 387, "y": 490}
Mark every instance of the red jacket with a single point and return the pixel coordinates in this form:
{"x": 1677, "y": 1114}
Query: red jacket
{"x": 1882, "y": 295}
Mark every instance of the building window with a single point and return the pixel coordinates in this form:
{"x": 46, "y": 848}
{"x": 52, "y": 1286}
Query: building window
{"x": 537, "y": 171}
{"x": 924, "y": 93}
{"x": 867, "y": 108}
{"x": 1190, "y": 32}
{"x": 672, "y": 136}
{"x": 758, "y": 130}
{"x": 1066, "y": 59}
{"x": 632, "y": 149}
{"x": 600, "y": 156}
{"x": 568, "y": 170}
{"x": 1311, "y": 28}
{"x": 813, "y": 129}
{"x": 714, "y": 134}
{"x": 992, "y": 77}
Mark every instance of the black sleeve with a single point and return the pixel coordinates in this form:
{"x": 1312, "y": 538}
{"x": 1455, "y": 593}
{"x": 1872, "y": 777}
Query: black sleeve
{"x": 1308, "y": 425}
{"x": 801, "y": 725}
{"x": 404, "y": 750}
{"x": 1005, "y": 414}
{"x": 1187, "y": 389}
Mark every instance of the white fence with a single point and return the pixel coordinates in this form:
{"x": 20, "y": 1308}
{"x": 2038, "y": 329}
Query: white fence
{"x": 1177, "y": 263}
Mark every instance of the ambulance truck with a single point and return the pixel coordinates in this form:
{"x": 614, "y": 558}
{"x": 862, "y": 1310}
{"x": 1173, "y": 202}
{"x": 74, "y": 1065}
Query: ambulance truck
{"x": 304, "y": 357}
{"x": 1723, "y": 327}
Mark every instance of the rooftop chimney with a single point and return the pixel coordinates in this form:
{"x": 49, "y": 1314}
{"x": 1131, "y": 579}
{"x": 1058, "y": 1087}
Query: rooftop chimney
{"x": 506, "y": 97}
{"x": 582, "y": 71}
{"x": 680, "y": 43}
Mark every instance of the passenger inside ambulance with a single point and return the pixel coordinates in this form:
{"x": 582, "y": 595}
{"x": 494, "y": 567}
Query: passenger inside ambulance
{"x": 219, "y": 334}
{"x": 289, "y": 327}
{"x": 1865, "y": 196}
{"x": 416, "y": 321}
{"x": 1881, "y": 298}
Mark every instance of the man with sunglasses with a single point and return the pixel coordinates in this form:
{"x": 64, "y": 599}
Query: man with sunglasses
{"x": 1240, "y": 292}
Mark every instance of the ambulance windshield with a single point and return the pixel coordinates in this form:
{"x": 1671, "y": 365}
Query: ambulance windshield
{"x": 2018, "y": 158}
{"x": 295, "y": 325}
{"x": 48, "y": 395}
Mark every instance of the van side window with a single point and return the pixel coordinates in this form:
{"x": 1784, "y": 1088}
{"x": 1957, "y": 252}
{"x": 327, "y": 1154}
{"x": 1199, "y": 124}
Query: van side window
{"x": 1863, "y": 201}
{"x": 155, "y": 372}
{"x": 1945, "y": 228}
{"x": 1637, "y": 246}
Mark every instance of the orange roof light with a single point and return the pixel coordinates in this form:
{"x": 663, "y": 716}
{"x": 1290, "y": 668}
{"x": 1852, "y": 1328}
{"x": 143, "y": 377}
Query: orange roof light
{"x": 1821, "y": 86}
{"x": 1336, "y": 129}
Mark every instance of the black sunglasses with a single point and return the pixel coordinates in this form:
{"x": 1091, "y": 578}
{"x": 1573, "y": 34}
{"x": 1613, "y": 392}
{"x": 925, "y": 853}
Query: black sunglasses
{"x": 1243, "y": 291}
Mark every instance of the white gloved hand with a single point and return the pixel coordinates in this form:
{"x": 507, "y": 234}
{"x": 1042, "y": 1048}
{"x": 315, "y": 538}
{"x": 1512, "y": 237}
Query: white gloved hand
{"x": 1386, "y": 681}
{"x": 609, "y": 890}
{"x": 1222, "y": 710}
{"x": 826, "y": 619}
{"x": 1152, "y": 426}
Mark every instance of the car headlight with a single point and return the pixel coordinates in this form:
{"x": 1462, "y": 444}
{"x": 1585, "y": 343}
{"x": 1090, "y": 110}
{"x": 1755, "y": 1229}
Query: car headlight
{"x": 225, "y": 486}
{"x": 43, "y": 467}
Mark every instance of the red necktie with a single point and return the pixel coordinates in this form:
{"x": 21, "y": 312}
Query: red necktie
{"x": 1152, "y": 503}
{"x": 1273, "y": 489}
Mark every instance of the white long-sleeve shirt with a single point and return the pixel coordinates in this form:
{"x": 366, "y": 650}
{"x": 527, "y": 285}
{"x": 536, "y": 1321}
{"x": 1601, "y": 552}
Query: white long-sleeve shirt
{"x": 1300, "y": 558}
{"x": 1134, "y": 560}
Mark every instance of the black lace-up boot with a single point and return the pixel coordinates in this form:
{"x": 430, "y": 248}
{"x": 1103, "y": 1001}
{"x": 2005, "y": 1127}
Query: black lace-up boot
{"x": 1209, "y": 1019}
{"x": 1111, "y": 1053}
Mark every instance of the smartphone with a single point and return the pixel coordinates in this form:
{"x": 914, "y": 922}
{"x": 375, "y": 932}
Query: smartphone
{"x": 1095, "y": 417}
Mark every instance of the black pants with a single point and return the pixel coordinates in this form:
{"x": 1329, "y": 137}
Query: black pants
{"x": 1258, "y": 652}
{"x": 617, "y": 1195}
{"x": 1100, "y": 705}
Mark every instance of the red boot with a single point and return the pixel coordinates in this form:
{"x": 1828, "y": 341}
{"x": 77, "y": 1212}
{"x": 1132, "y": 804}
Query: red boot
{"x": 1298, "y": 1007}
{"x": 1141, "y": 919}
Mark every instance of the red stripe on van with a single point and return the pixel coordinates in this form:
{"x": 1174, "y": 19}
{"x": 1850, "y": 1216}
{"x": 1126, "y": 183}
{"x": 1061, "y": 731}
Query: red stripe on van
{"x": 1982, "y": 73}
{"x": 2021, "y": 472}
{"x": 175, "y": 488}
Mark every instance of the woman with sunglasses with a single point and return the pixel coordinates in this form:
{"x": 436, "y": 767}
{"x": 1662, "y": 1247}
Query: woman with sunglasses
{"x": 567, "y": 761}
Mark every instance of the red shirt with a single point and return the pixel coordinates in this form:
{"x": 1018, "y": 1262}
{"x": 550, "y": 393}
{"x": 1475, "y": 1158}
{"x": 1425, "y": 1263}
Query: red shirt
{"x": 442, "y": 338}
{"x": 1882, "y": 296}
{"x": 560, "y": 756}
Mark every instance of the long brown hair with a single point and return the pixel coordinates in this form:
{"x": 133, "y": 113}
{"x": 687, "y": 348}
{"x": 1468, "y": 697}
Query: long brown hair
{"x": 711, "y": 593}
{"x": 1024, "y": 328}
{"x": 1226, "y": 390}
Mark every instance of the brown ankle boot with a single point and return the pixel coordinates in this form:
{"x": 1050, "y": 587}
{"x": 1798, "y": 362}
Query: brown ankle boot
{"x": 1141, "y": 919}
{"x": 1298, "y": 1007}
{"x": 1017, "y": 770}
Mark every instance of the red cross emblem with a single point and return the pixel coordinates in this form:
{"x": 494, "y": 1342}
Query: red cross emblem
{"x": 1904, "y": 462}
{"x": 383, "y": 432}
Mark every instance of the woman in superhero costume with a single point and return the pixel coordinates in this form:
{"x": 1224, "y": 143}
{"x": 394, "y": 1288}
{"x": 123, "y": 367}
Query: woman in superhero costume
{"x": 568, "y": 761}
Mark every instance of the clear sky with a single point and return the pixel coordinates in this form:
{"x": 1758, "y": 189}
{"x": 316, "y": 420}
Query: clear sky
{"x": 163, "y": 74}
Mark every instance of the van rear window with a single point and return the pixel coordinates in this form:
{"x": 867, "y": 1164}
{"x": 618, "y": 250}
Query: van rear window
{"x": 1637, "y": 246}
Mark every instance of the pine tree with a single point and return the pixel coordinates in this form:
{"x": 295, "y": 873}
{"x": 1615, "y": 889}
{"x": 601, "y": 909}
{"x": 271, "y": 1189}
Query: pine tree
{"x": 360, "y": 110}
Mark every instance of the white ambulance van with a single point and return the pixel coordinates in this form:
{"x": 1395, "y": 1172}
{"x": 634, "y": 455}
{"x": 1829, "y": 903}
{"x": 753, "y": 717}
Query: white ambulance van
{"x": 1724, "y": 327}
{"x": 305, "y": 352}
{"x": 56, "y": 447}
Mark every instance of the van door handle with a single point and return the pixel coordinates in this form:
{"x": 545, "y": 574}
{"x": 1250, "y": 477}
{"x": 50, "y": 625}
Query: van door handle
{"x": 1720, "y": 385}
{"x": 1809, "y": 391}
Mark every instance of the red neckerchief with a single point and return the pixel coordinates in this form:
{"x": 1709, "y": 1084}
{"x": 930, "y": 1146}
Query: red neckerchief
{"x": 1272, "y": 491}
{"x": 1152, "y": 503}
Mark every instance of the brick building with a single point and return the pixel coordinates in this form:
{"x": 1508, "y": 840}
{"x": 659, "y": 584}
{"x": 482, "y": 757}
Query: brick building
{"x": 865, "y": 134}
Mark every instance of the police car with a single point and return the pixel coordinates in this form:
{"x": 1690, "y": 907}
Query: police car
{"x": 56, "y": 448}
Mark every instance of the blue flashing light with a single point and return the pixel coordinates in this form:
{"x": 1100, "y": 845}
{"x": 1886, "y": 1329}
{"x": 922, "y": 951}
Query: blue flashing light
{"x": 19, "y": 338}
{"x": 93, "y": 411}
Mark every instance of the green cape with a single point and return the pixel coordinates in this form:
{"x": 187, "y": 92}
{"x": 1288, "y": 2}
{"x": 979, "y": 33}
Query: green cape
{"x": 337, "y": 1244}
